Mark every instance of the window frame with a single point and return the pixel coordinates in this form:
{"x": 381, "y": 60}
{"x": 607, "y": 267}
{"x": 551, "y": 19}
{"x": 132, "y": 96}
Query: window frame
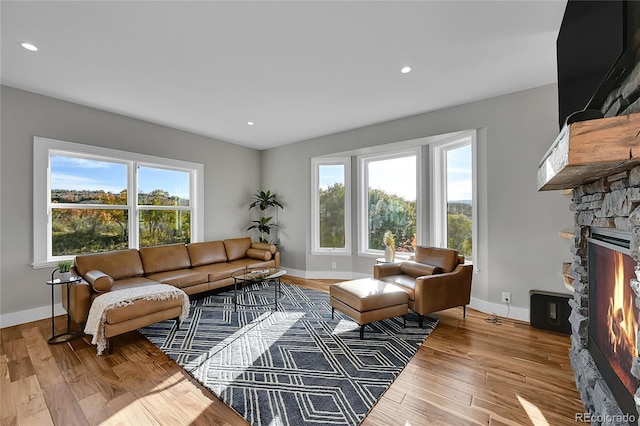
{"x": 315, "y": 206}
{"x": 438, "y": 193}
{"x": 363, "y": 195}
{"x": 43, "y": 148}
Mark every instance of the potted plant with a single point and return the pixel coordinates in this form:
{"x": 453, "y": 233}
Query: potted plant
{"x": 64, "y": 267}
{"x": 264, "y": 200}
{"x": 264, "y": 226}
{"x": 389, "y": 242}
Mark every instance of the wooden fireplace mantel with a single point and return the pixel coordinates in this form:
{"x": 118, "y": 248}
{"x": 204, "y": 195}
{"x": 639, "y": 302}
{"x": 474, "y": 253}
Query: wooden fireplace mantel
{"x": 586, "y": 151}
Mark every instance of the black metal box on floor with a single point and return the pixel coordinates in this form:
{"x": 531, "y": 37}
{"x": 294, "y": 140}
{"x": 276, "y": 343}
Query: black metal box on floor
{"x": 550, "y": 311}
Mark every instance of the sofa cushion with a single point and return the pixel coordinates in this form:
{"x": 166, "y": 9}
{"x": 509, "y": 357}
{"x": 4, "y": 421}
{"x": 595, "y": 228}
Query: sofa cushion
{"x": 247, "y": 262}
{"x": 218, "y": 271}
{"x": 207, "y": 252}
{"x": 100, "y": 282}
{"x": 180, "y": 277}
{"x": 130, "y": 282}
{"x": 416, "y": 269}
{"x": 140, "y": 308}
{"x": 117, "y": 264}
{"x": 447, "y": 259}
{"x": 167, "y": 257}
{"x": 237, "y": 247}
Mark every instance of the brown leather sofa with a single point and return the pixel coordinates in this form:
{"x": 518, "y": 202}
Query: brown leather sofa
{"x": 435, "y": 279}
{"x": 194, "y": 268}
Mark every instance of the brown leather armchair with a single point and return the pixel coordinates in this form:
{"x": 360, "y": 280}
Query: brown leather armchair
{"x": 435, "y": 279}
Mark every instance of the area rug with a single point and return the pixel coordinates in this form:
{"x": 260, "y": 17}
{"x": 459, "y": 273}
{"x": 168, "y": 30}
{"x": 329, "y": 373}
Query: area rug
{"x": 293, "y": 366}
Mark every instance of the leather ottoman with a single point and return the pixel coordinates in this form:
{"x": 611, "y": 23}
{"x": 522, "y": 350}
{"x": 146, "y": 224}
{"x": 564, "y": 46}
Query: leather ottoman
{"x": 367, "y": 300}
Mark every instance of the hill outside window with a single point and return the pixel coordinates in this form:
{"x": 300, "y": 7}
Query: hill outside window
{"x": 89, "y": 199}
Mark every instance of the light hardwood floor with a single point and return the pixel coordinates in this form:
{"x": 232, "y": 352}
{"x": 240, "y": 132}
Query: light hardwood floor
{"x": 469, "y": 371}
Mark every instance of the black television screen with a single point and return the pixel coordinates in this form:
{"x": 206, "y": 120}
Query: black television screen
{"x": 591, "y": 40}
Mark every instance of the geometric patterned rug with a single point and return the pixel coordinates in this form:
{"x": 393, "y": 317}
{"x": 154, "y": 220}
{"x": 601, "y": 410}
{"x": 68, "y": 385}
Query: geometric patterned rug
{"x": 293, "y": 366}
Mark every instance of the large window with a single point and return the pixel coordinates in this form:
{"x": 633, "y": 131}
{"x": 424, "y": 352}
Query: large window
{"x": 452, "y": 195}
{"x": 387, "y": 200}
{"x": 423, "y": 193}
{"x": 331, "y": 213}
{"x": 89, "y": 199}
{"x": 164, "y": 206}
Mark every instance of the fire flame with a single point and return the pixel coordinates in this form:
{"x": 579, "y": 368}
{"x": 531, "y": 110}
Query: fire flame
{"x": 623, "y": 326}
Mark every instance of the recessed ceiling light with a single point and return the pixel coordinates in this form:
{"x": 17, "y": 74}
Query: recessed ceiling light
{"x": 250, "y": 123}
{"x": 28, "y": 46}
{"x": 405, "y": 70}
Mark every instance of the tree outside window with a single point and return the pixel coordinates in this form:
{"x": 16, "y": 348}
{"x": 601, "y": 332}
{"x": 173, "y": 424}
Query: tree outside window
{"x": 391, "y": 201}
{"x": 90, "y": 210}
{"x": 459, "y": 190}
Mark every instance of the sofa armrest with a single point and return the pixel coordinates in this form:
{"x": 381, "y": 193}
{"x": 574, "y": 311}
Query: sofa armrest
{"x": 386, "y": 269}
{"x": 100, "y": 282}
{"x": 265, "y": 246}
{"x": 259, "y": 254}
{"x": 442, "y": 291}
{"x": 79, "y": 300}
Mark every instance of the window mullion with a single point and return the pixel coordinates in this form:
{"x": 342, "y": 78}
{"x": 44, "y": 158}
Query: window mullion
{"x": 132, "y": 204}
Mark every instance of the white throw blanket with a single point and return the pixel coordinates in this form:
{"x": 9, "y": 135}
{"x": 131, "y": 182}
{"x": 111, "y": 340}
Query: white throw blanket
{"x": 124, "y": 297}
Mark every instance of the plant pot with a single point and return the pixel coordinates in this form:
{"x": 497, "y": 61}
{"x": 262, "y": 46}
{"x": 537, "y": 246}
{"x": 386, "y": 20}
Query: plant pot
{"x": 389, "y": 254}
{"x": 65, "y": 276}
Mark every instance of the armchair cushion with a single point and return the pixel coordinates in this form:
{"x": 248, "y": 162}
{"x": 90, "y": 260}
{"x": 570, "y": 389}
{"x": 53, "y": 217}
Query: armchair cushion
{"x": 416, "y": 269}
{"x": 446, "y": 259}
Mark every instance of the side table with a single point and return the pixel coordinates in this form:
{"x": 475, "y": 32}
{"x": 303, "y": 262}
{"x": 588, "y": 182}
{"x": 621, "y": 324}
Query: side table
{"x": 69, "y": 335}
{"x": 248, "y": 276}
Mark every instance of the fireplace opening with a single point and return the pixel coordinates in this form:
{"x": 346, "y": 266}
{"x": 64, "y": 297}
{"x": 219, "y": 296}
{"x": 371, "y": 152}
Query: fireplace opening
{"x": 613, "y": 315}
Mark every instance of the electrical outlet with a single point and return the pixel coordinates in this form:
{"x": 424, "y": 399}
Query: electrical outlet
{"x": 506, "y": 297}
{"x": 333, "y": 265}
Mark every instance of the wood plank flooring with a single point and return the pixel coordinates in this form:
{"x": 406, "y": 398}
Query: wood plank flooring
{"x": 468, "y": 372}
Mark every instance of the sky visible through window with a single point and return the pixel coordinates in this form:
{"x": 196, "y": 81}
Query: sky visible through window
{"x": 458, "y": 175}
{"x": 459, "y": 182}
{"x": 79, "y": 174}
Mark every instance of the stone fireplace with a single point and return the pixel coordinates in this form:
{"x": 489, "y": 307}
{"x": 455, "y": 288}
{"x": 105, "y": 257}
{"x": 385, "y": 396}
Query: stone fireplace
{"x": 596, "y": 157}
{"x": 609, "y": 206}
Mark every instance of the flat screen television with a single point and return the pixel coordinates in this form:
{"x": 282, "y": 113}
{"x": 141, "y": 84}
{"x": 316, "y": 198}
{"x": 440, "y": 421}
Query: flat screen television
{"x": 592, "y": 54}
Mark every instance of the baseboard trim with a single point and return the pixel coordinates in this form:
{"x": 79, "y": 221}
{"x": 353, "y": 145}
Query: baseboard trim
{"x": 500, "y": 309}
{"x": 35, "y": 314}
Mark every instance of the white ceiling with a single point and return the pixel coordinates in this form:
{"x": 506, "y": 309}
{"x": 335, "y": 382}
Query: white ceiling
{"x": 298, "y": 69}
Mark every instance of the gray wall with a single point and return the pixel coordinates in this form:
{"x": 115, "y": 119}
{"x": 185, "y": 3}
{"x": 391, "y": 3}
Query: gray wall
{"x": 518, "y": 249}
{"x": 231, "y": 172}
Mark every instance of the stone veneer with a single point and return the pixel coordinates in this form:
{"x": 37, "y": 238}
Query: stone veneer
{"x": 612, "y": 202}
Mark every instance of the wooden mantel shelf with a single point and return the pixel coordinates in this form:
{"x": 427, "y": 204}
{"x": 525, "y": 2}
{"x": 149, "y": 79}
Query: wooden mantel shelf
{"x": 586, "y": 151}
